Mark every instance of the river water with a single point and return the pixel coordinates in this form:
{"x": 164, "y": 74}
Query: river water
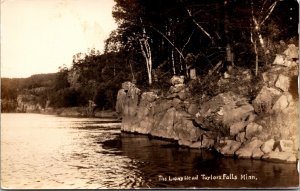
{"x": 44, "y": 151}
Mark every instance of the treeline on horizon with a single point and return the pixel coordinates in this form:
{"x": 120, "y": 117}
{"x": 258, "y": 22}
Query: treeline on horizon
{"x": 158, "y": 39}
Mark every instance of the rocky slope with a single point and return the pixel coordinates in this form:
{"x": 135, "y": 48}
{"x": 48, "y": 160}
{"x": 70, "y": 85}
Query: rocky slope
{"x": 264, "y": 127}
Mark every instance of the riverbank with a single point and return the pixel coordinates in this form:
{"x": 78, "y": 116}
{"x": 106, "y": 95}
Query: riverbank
{"x": 75, "y": 112}
{"x": 246, "y": 117}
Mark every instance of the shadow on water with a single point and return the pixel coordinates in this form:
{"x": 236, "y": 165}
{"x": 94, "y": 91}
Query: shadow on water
{"x": 161, "y": 162}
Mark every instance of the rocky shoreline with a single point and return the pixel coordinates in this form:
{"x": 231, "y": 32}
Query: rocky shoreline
{"x": 263, "y": 127}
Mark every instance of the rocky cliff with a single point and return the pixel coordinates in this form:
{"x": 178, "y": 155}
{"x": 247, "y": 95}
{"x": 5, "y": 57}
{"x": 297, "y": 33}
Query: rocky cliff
{"x": 264, "y": 127}
{"x": 27, "y": 103}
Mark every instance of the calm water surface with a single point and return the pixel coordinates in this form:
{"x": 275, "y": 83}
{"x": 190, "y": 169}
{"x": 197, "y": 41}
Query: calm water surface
{"x": 43, "y": 151}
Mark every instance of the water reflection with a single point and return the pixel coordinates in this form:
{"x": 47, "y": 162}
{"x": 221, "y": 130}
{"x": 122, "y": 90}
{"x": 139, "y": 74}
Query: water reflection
{"x": 159, "y": 157}
{"x": 40, "y": 151}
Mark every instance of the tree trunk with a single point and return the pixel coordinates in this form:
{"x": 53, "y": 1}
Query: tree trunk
{"x": 229, "y": 56}
{"x": 256, "y": 25}
{"x": 256, "y": 58}
{"x": 146, "y": 50}
{"x": 173, "y": 62}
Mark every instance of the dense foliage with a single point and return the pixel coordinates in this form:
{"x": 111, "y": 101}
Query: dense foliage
{"x": 156, "y": 39}
{"x": 37, "y": 88}
{"x": 206, "y": 31}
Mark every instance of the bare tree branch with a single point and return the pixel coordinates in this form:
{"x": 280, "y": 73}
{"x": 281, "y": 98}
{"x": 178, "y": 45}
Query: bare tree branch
{"x": 199, "y": 26}
{"x": 180, "y": 53}
{"x": 271, "y": 8}
{"x": 189, "y": 39}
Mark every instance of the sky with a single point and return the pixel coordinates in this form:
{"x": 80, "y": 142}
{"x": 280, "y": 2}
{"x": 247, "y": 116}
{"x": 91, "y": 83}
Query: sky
{"x": 38, "y": 36}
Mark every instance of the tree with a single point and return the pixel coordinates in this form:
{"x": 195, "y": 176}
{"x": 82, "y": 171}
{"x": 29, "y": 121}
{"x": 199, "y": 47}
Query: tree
{"x": 146, "y": 50}
{"x": 62, "y": 78}
{"x": 154, "y": 28}
{"x": 259, "y": 16}
{"x": 169, "y": 30}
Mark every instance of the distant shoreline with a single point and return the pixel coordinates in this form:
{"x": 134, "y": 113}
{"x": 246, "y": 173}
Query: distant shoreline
{"x": 73, "y": 112}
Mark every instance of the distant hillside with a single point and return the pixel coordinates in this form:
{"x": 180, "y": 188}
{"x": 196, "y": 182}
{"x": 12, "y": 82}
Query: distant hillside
{"x": 11, "y": 88}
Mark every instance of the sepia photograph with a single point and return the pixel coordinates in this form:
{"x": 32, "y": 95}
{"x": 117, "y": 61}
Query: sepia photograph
{"x": 149, "y": 94}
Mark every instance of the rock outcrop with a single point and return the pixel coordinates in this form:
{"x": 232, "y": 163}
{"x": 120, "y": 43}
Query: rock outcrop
{"x": 26, "y": 104}
{"x": 161, "y": 117}
{"x": 264, "y": 127}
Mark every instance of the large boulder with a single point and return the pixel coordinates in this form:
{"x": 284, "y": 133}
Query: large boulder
{"x": 237, "y": 127}
{"x": 183, "y": 94}
{"x": 282, "y": 102}
{"x": 148, "y": 97}
{"x": 289, "y": 121}
{"x": 267, "y": 146}
{"x": 287, "y": 145}
{"x": 127, "y": 99}
{"x": 130, "y": 107}
{"x": 257, "y": 153}
{"x": 283, "y": 123}
{"x": 283, "y": 82}
{"x": 240, "y": 137}
{"x": 176, "y": 103}
{"x": 130, "y": 89}
{"x": 121, "y": 99}
{"x": 279, "y": 59}
{"x": 224, "y": 110}
{"x": 177, "y": 88}
{"x": 175, "y": 125}
{"x": 145, "y": 125}
{"x": 165, "y": 126}
{"x": 295, "y": 139}
{"x": 230, "y": 147}
{"x": 177, "y": 80}
{"x": 283, "y": 60}
{"x": 265, "y": 99}
{"x": 288, "y": 58}
{"x": 270, "y": 77}
{"x": 280, "y": 157}
{"x": 143, "y": 112}
{"x": 192, "y": 109}
{"x": 207, "y": 142}
{"x": 126, "y": 85}
{"x": 162, "y": 105}
{"x": 233, "y": 115}
{"x": 292, "y": 52}
{"x": 184, "y": 128}
{"x": 247, "y": 150}
{"x": 252, "y": 130}
{"x": 129, "y": 124}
